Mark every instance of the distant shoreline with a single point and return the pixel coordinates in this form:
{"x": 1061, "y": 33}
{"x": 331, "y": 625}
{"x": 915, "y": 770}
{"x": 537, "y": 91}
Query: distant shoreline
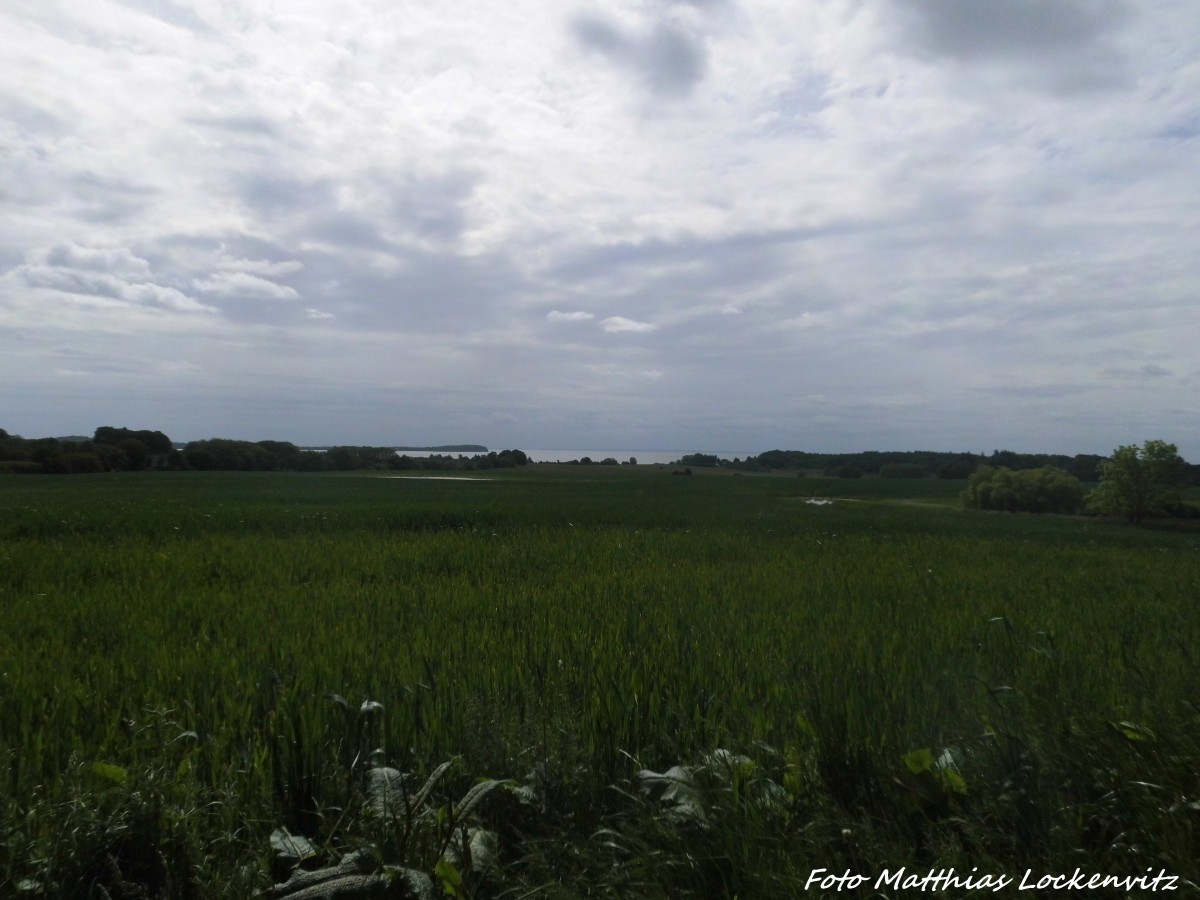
{"x": 445, "y": 448}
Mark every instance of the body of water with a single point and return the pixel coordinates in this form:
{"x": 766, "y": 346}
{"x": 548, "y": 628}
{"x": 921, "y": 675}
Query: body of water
{"x": 644, "y": 457}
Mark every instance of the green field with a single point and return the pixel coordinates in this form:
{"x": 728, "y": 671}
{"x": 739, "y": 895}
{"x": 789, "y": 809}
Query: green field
{"x": 896, "y": 682}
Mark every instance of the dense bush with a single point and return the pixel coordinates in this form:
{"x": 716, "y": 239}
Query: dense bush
{"x": 1182, "y": 510}
{"x": 1044, "y": 490}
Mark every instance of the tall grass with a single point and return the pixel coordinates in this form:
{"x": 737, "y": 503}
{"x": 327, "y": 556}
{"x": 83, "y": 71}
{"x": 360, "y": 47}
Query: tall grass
{"x": 566, "y": 629}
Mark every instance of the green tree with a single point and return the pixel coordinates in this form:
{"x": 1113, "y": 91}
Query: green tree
{"x": 1136, "y": 483}
{"x": 137, "y": 454}
{"x": 155, "y": 442}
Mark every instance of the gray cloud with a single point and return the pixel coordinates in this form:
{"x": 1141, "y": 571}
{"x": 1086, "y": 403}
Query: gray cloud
{"x": 78, "y": 275}
{"x": 269, "y": 194}
{"x": 1012, "y": 28}
{"x": 108, "y": 200}
{"x": 1146, "y": 371}
{"x": 1060, "y": 45}
{"x": 33, "y": 120}
{"x": 666, "y": 59}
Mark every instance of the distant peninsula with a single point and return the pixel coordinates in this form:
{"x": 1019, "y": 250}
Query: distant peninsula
{"x": 444, "y": 448}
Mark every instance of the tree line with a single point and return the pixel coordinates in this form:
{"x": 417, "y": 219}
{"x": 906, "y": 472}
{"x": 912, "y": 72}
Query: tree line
{"x": 1136, "y": 483}
{"x": 126, "y": 450}
{"x": 900, "y": 463}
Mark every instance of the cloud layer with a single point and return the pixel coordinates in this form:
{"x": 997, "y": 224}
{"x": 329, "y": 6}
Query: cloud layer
{"x": 730, "y": 224}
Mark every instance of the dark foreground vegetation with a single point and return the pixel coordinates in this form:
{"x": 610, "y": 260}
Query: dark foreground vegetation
{"x": 643, "y": 686}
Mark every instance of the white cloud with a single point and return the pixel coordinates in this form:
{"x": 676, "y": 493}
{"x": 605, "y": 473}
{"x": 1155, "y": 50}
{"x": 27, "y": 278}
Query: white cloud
{"x": 115, "y": 260}
{"x": 157, "y": 295}
{"x": 243, "y": 284}
{"x": 615, "y": 324}
{"x": 311, "y": 313}
{"x": 108, "y": 278}
{"x": 555, "y": 316}
{"x": 261, "y": 266}
{"x": 805, "y": 320}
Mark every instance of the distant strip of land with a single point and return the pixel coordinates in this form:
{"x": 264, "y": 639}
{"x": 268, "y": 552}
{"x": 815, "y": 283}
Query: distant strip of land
{"x": 445, "y": 448}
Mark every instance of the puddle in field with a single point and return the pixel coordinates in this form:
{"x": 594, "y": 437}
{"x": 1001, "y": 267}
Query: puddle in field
{"x": 435, "y": 477}
{"x": 825, "y": 501}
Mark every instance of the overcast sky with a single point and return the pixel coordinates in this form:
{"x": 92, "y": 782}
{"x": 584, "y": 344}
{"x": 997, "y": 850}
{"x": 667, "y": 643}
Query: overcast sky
{"x": 650, "y": 224}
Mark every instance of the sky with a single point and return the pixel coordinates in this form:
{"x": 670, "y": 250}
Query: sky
{"x": 702, "y": 225}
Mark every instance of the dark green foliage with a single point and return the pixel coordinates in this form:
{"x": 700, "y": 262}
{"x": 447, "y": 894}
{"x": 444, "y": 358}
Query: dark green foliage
{"x": 221, "y": 454}
{"x": 154, "y": 442}
{"x": 902, "y": 470}
{"x": 844, "y": 472}
{"x": 20, "y": 467}
{"x": 947, "y": 465}
{"x": 505, "y": 459}
{"x": 110, "y": 450}
{"x": 1181, "y": 510}
{"x": 75, "y": 463}
{"x": 1044, "y": 490}
{"x": 122, "y": 449}
{"x": 700, "y": 460}
{"x": 961, "y": 468}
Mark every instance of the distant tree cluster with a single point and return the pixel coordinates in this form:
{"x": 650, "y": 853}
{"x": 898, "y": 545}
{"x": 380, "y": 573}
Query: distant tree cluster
{"x": 1136, "y": 483}
{"x": 702, "y": 461}
{"x": 226, "y": 455}
{"x": 1041, "y": 490}
{"x": 900, "y": 464}
{"x": 845, "y": 470}
{"x": 903, "y": 470}
{"x": 504, "y": 459}
{"x": 108, "y": 450}
{"x": 607, "y": 461}
{"x": 124, "y": 450}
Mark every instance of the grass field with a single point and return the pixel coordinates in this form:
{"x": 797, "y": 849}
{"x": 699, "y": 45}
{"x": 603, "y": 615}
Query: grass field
{"x": 885, "y": 681}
